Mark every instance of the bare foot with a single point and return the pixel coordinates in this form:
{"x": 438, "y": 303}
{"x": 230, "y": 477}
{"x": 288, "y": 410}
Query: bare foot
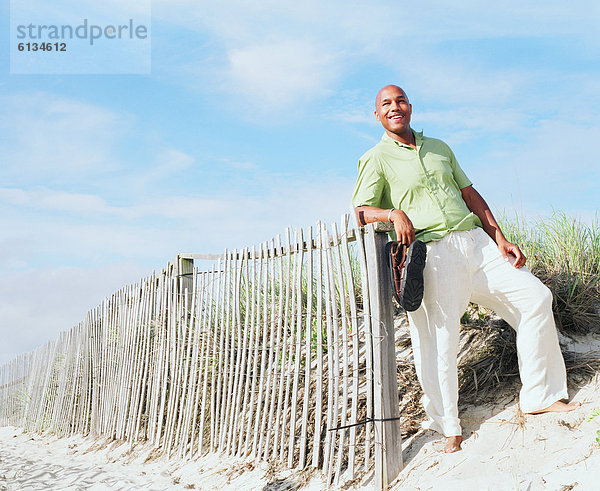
{"x": 559, "y": 407}
{"x": 453, "y": 444}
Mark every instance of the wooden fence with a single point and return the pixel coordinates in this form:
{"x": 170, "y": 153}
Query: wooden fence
{"x": 284, "y": 352}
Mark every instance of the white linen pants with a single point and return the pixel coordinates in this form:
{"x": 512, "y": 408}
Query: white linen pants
{"x": 467, "y": 266}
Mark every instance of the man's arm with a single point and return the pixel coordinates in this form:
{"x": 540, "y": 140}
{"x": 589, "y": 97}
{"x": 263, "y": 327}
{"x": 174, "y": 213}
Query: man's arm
{"x": 405, "y": 232}
{"x": 477, "y": 205}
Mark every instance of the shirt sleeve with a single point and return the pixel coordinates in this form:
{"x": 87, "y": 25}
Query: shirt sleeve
{"x": 370, "y": 184}
{"x": 459, "y": 175}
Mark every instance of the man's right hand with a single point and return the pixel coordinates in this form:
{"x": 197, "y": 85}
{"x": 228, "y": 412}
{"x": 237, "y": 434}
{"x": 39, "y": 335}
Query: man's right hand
{"x": 405, "y": 232}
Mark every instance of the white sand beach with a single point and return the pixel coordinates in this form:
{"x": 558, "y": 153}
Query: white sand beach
{"x": 503, "y": 449}
{"x": 35, "y": 462}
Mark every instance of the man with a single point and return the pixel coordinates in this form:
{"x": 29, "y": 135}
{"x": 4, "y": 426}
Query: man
{"x": 416, "y": 183}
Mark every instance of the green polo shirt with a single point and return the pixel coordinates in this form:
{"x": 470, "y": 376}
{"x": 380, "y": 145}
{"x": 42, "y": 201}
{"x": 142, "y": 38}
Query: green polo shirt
{"x": 425, "y": 183}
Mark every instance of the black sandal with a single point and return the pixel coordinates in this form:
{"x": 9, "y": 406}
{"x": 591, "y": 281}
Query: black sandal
{"x": 406, "y": 272}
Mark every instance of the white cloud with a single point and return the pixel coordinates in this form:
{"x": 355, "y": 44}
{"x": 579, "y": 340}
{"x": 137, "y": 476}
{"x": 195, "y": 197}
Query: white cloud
{"x": 169, "y": 162}
{"x": 173, "y": 160}
{"x": 456, "y": 82}
{"x": 269, "y": 52}
{"x": 36, "y": 305}
{"x": 87, "y": 229}
{"x": 545, "y": 168}
{"x": 280, "y": 74}
{"x": 37, "y": 301}
{"x": 467, "y": 123}
{"x": 243, "y": 165}
{"x": 242, "y": 20}
{"x": 309, "y": 45}
{"x": 49, "y": 200}
{"x": 353, "y": 106}
{"x": 479, "y": 118}
{"x": 15, "y": 248}
{"x": 54, "y": 137}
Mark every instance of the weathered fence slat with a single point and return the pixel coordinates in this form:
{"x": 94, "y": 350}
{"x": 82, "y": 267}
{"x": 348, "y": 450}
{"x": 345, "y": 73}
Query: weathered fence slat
{"x": 284, "y": 302}
{"x": 331, "y": 382}
{"x": 276, "y": 307}
{"x": 207, "y": 354}
{"x": 320, "y": 368}
{"x": 240, "y": 355}
{"x": 217, "y": 354}
{"x": 298, "y": 349}
{"x": 341, "y": 287}
{"x": 262, "y": 321}
{"x": 307, "y": 351}
{"x": 248, "y": 341}
{"x": 253, "y": 350}
{"x": 355, "y": 347}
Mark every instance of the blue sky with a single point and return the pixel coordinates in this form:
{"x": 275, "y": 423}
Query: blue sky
{"x": 253, "y": 118}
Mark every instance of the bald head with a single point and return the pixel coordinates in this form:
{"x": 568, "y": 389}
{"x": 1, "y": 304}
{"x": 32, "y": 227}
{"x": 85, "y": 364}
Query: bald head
{"x": 387, "y": 89}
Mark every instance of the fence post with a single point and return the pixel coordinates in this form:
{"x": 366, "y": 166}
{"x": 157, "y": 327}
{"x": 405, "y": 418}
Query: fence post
{"x": 185, "y": 271}
{"x": 388, "y": 440}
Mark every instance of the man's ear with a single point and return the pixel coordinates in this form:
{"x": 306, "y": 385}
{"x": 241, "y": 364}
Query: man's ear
{"x": 377, "y": 115}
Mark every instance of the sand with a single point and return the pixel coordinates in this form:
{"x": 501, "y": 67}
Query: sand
{"x": 503, "y": 450}
{"x": 43, "y": 462}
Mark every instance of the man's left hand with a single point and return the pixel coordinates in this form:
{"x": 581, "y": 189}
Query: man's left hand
{"x": 510, "y": 249}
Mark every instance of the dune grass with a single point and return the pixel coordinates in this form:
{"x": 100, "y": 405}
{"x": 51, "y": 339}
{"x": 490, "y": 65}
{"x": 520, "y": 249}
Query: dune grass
{"x": 564, "y": 252}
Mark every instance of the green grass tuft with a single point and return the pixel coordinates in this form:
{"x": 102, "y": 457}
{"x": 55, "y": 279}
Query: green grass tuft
{"x": 595, "y": 412}
{"x": 564, "y": 253}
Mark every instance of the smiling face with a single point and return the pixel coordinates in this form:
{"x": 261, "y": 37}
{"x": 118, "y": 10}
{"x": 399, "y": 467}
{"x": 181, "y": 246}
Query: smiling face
{"x": 393, "y": 111}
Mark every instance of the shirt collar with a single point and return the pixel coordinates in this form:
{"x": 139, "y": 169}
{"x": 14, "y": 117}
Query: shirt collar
{"x": 418, "y": 139}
